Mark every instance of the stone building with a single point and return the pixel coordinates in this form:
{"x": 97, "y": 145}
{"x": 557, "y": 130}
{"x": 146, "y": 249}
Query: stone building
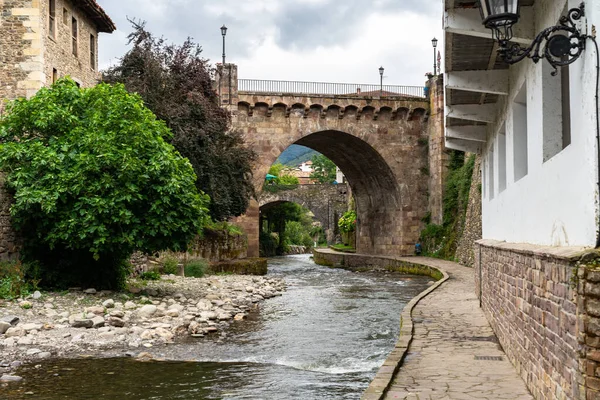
{"x": 40, "y": 42}
{"x": 535, "y": 129}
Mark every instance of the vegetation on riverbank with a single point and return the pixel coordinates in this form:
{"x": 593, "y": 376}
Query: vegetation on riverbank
{"x": 441, "y": 240}
{"x": 284, "y": 225}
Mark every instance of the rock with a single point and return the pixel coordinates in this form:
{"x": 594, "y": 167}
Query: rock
{"x": 144, "y": 356}
{"x": 10, "y": 378}
{"x": 11, "y": 319}
{"x": 224, "y": 317}
{"x": 177, "y": 307}
{"x": 212, "y": 297}
{"x": 172, "y": 313}
{"x": 130, "y": 305}
{"x": 239, "y": 317}
{"x": 164, "y": 333}
{"x": 208, "y": 315}
{"x": 82, "y": 323}
{"x": 4, "y": 327}
{"x": 117, "y": 313}
{"x": 151, "y": 292}
{"x": 147, "y": 311}
{"x": 16, "y": 364}
{"x": 32, "y": 352}
{"x": 98, "y": 310}
{"x": 37, "y": 295}
{"x": 32, "y": 327}
{"x": 90, "y": 291}
{"x": 44, "y": 354}
{"x": 146, "y": 335}
{"x": 204, "y": 305}
{"x": 116, "y": 321}
{"x": 249, "y": 289}
{"x": 25, "y": 341}
{"x": 25, "y": 304}
{"x": 14, "y": 332}
{"x": 110, "y": 303}
{"x": 98, "y": 322}
{"x": 107, "y": 335}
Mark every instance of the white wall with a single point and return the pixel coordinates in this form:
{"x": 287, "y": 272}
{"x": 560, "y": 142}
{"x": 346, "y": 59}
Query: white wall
{"x": 556, "y": 202}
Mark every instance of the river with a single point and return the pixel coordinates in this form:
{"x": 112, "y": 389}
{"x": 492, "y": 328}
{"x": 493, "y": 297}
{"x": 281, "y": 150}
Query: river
{"x": 324, "y": 338}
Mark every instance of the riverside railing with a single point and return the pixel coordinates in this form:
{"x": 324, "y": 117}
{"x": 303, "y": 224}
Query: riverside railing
{"x": 325, "y": 88}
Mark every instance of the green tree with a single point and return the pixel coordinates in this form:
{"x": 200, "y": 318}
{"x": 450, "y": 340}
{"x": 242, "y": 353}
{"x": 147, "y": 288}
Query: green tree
{"x": 276, "y": 169}
{"x": 94, "y": 179}
{"x": 175, "y": 83}
{"x": 324, "y": 169}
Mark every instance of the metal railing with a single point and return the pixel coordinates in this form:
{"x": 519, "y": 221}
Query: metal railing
{"x": 324, "y": 88}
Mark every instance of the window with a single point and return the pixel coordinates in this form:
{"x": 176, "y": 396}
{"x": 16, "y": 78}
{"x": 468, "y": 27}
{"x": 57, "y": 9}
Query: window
{"x": 501, "y": 160}
{"x": 54, "y": 75}
{"x": 74, "y": 34}
{"x": 519, "y": 133}
{"x": 52, "y": 19}
{"x": 65, "y": 16}
{"x": 92, "y": 52}
{"x": 556, "y": 110}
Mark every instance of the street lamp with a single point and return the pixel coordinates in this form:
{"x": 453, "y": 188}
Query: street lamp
{"x": 223, "y": 33}
{"x": 381, "y": 81}
{"x": 560, "y": 45}
{"x": 434, "y": 42}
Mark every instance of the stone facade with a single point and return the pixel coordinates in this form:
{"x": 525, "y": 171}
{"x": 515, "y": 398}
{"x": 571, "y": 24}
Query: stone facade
{"x": 530, "y": 301}
{"x": 31, "y": 57}
{"x": 376, "y": 141}
{"x": 438, "y": 158}
{"x": 326, "y": 202}
{"x": 471, "y": 229}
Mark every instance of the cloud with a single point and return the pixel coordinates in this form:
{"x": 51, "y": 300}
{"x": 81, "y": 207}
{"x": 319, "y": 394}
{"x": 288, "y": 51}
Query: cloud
{"x": 314, "y": 40}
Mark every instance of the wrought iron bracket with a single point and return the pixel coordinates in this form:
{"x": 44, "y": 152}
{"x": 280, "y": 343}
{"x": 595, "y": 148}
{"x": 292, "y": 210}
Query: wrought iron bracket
{"x": 560, "y": 45}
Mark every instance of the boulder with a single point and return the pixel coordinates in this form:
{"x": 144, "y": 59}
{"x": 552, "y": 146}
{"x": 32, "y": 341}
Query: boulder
{"x": 82, "y": 323}
{"x": 97, "y": 322}
{"x": 147, "y": 311}
{"x": 110, "y": 303}
{"x": 4, "y": 327}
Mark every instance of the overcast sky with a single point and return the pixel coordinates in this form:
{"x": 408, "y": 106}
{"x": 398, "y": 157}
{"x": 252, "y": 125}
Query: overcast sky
{"x": 308, "y": 40}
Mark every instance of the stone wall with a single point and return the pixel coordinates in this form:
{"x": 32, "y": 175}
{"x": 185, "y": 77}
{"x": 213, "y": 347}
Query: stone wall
{"x": 9, "y": 241}
{"x": 58, "y": 50}
{"x": 438, "y": 158}
{"x": 471, "y": 231}
{"x": 530, "y": 301}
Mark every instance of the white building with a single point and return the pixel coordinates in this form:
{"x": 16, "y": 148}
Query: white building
{"x": 536, "y": 132}
{"x": 306, "y": 166}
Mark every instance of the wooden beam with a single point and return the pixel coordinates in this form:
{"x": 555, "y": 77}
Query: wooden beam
{"x": 463, "y": 145}
{"x": 467, "y": 21}
{"x": 473, "y": 112}
{"x": 495, "y": 81}
{"x": 473, "y": 133}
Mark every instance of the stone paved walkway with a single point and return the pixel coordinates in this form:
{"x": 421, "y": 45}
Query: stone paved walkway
{"x": 450, "y": 331}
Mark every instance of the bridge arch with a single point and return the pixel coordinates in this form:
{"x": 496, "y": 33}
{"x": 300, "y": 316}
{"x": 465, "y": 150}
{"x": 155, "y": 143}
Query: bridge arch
{"x": 376, "y": 141}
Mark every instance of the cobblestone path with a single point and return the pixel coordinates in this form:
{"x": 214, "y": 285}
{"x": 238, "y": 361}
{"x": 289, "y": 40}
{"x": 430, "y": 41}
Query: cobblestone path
{"x": 454, "y": 354}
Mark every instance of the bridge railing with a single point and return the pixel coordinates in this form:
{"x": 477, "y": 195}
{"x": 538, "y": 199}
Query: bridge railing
{"x": 325, "y": 88}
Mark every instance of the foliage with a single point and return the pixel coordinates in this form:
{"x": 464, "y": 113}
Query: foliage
{"x": 13, "y": 283}
{"x": 150, "y": 276}
{"x": 347, "y": 222}
{"x": 195, "y": 268}
{"x": 343, "y": 247}
{"x": 170, "y": 265}
{"x": 298, "y": 234}
{"x": 276, "y": 169}
{"x": 93, "y": 180}
{"x": 282, "y": 178}
{"x": 278, "y": 219}
{"x": 318, "y": 234}
{"x": 441, "y": 240}
{"x": 324, "y": 169}
{"x": 268, "y": 243}
{"x": 223, "y": 226}
{"x": 287, "y": 180}
{"x": 176, "y": 84}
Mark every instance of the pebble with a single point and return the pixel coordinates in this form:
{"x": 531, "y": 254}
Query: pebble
{"x": 90, "y": 291}
{"x": 14, "y": 332}
{"x": 31, "y": 327}
{"x": 110, "y": 303}
{"x": 130, "y": 305}
{"x": 82, "y": 323}
{"x": 31, "y": 352}
{"x": 10, "y": 378}
{"x": 146, "y": 311}
{"x": 37, "y": 295}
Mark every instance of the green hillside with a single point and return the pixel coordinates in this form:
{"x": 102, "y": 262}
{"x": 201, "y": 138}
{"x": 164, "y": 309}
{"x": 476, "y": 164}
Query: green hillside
{"x": 296, "y": 155}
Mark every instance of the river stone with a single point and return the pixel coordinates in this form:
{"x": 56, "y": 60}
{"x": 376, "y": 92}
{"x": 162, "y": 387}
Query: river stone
{"x": 98, "y": 322}
{"x": 130, "y": 305}
{"x": 31, "y": 327}
{"x": 36, "y": 295}
{"x": 90, "y": 291}
{"x": 212, "y": 297}
{"x": 164, "y": 333}
{"x": 25, "y": 341}
{"x": 4, "y": 327}
{"x": 98, "y": 310}
{"x": 249, "y": 289}
{"x": 224, "y": 317}
{"x": 116, "y": 321}
{"x": 82, "y": 323}
{"x": 117, "y": 313}
{"x": 177, "y": 307}
{"x": 11, "y": 319}
{"x": 14, "y": 332}
{"x": 146, "y": 335}
{"x": 44, "y": 354}
{"x": 10, "y": 378}
{"x": 147, "y": 311}
{"x": 32, "y": 352}
{"x": 110, "y": 303}
{"x": 107, "y": 335}
{"x": 204, "y": 305}
{"x": 239, "y": 317}
{"x": 172, "y": 313}
{"x": 208, "y": 315}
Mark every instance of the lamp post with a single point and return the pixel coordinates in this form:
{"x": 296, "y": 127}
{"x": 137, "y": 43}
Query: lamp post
{"x": 223, "y": 33}
{"x": 381, "y": 81}
{"x": 434, "y": 42}
{"x": 560, "y": 44}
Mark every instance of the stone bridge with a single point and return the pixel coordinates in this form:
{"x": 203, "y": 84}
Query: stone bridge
{"x": 326, "y": 202}
{"x": 378, "y": 136}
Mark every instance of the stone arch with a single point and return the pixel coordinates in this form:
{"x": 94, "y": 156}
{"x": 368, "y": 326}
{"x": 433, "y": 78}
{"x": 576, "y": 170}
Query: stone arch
{"x": 279, "y": 110}
{"x": 417, "y": 115}
{"x": 368, "y": 113}
{"x": 298, "y": 110}
{"x": 402, "y": 113}
{"x": 261, "y": 109}
{"x": 351, "y": 112}
{"x": 243, "y": 108}
{"x": 314, "y": 111}
{"x": 334, "y": 111}
{"x": 385, "y": 114}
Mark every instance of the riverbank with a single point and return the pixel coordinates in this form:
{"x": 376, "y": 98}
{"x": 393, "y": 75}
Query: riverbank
{"x": 77, "y": 322}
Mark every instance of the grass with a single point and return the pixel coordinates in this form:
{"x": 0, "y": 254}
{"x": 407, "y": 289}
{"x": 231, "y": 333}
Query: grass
{"x": 343, "y": 248}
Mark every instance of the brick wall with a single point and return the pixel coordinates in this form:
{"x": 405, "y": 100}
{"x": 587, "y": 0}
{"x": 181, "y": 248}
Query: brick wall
{"x": 530, "y": 301}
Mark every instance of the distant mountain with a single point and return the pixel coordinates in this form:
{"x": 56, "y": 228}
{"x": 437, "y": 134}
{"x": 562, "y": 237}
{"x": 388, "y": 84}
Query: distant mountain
{"x": 296, "y": 155}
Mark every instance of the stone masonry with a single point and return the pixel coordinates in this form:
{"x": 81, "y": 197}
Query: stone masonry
{"x": 379, "y": 142}
{"x": 31, "y": 58}
{"x": 530, "y": 300}
{"x": 471, "y": 229}
{"x": 326, "y": 202}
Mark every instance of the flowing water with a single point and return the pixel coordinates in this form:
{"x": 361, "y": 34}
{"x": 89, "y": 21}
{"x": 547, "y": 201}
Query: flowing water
{"x": 324, "y": 338}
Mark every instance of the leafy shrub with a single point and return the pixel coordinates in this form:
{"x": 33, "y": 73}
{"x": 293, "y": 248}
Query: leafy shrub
{"x": 150, "y": 276}
{"x": 297, "y": 234}
{"x": 170, "y": 266}
{"x": 347, "y": 223}
{"x": 318, "y": 235}
{"x": 196, "y": 268}
{"x": 268, "y": 243}
{"x": 13, "y": 283}
{"x": 93, "y": 180}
